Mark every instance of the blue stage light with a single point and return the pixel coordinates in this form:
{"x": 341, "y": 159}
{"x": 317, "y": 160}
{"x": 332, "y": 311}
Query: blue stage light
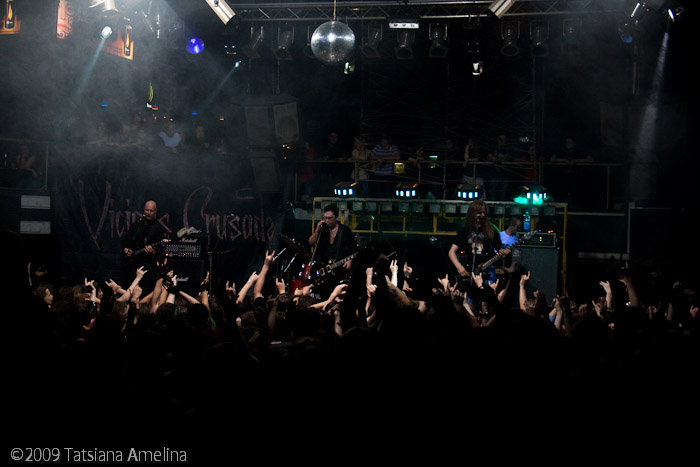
{"x": 195, "y": 46}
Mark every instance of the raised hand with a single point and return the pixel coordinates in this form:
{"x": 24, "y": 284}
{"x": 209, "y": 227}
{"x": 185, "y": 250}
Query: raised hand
{"x": 478, "y": 280}
{"x": 598, "y": 306}
{"x": 253, "y": 277}
{"x": 205, "y": 282}
{"x": 524, "y": 278}
{"x": 140, "y": 272}
{"x": 445, "y": 282}
{"x": 269, "y": 257}
{"x": 230, "y": 290}
{"x": 281, "y": 286}
{"x": 112, "y": 285}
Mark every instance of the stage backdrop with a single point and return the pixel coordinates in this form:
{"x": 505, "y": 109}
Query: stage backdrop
{"x": 100, "y": 191}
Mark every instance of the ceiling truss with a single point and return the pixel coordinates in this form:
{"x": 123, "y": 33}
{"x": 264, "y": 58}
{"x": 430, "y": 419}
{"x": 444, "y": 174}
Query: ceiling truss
{"x": 358, "y": 11}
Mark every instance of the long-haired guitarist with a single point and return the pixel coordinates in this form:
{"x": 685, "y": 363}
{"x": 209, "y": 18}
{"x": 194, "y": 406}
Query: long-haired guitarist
{"x": 476, "y": 242}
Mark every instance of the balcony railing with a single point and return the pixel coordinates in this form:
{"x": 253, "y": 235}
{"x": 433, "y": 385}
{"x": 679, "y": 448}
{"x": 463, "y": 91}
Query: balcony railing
{"x": 583, "y": 185}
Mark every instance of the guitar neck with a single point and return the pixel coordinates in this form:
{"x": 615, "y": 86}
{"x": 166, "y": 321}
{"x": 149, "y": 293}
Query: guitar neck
{"x": 498, "y": 256}
{"x": 492, "y": 260}
{"x": 141, "y": 250}
{"x": 340, "y": 262}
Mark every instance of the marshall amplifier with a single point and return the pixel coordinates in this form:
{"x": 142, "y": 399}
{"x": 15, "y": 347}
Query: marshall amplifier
{"x": 190, "y": 274}
{"x": 190, "y": 247}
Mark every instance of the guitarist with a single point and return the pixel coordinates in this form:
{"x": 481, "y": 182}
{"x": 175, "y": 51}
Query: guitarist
{"x": 141, "y": 249}
{"x": 333, "y": 241}
{"x": 476, "y": 242}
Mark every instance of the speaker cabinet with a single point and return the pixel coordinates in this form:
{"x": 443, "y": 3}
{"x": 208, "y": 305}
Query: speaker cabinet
{"x": 543, "y": 265}
{"x": 190, "y": 273}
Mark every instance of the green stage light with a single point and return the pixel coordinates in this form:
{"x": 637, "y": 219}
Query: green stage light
{"x": 532, "y": 196}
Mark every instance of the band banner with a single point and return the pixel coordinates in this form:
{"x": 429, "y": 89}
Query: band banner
{"x": 99, "y": 193}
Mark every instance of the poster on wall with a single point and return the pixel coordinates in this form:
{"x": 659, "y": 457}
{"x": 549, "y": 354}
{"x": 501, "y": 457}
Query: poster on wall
{"x": 11, "y": 21}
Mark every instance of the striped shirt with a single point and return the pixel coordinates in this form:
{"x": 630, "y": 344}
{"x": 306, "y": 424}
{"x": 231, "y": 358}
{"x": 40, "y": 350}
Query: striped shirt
{"x": 380, "y": 152}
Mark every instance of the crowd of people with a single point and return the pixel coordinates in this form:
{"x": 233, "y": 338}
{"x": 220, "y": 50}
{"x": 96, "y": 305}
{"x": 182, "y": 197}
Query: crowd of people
{"x": 388, "y": 340}
{"x": 499, "y": 169}
{"x": 148, "y": 132}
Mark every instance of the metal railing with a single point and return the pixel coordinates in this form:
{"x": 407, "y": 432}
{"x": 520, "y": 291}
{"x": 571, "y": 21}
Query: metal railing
{"x": 585, "y": 185}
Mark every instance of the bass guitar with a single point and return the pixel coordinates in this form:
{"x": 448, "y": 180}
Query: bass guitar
{"x": 141, "y": 251}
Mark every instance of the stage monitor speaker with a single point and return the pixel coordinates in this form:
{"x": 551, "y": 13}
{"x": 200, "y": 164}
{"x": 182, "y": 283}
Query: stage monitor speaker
{"x": 265, "y": 171}
{"x": 543, "y": 264}
{"x": 270, "y": 120}
{"x": 190, "y": 274}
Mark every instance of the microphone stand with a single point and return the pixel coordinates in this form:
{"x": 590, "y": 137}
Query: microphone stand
{"x": 318, "y": 239}
{"x": 471, "y": 276}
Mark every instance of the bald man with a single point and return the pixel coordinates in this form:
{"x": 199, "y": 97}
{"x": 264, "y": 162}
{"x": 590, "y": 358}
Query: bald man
{"x": 142, "y": 247}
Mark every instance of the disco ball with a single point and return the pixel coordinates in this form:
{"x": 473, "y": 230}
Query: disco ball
{"x": 332, "y": 42}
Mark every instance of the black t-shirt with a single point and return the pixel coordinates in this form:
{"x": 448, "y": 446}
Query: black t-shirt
{"x": 142, "y": 233}
{"x": 343, "y": 246}
{"x": 473, "y": 241}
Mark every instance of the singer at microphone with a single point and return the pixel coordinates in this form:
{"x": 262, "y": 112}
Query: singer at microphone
{"x": 333, "y": 240}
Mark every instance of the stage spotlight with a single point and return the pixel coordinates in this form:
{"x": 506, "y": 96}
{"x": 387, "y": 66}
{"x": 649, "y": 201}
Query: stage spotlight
{"x": 349, "y": 67}
{"x": 345, "y": 189}
{"x": 195, "y": 46}
{"x": 370, "y": 49}
{"x": 222, "y": 10}
{"x": 469, "y": 191}
{"x": 285, "y": 37}
{"x": 405, "y": 49}
{"x": 438, "y": 35}
{"x": 474, "y": 53}
{"x": 251, "y": 48}
{"x": 307, "y": 48}
{"x": 531, "y": 195}
{"x": 631, "y": 22}
{"x": 107, "y": 7}
{"x": 408, "y": 21}
{"x": 674, "y": 11}
{"x": 510, "y": 32}
{"x": 571, "y": 31}
{"x": 106, "y": 32}
{"x": 499, "y": 8}
{"x": 406, "y": 190}
{"x": 539, "y": 32}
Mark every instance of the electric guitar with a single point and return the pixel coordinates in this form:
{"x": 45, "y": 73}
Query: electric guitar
{"x": 140, "y": 251}
{"x": 320, "y": 273}
{"x": 486, "y": 264}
